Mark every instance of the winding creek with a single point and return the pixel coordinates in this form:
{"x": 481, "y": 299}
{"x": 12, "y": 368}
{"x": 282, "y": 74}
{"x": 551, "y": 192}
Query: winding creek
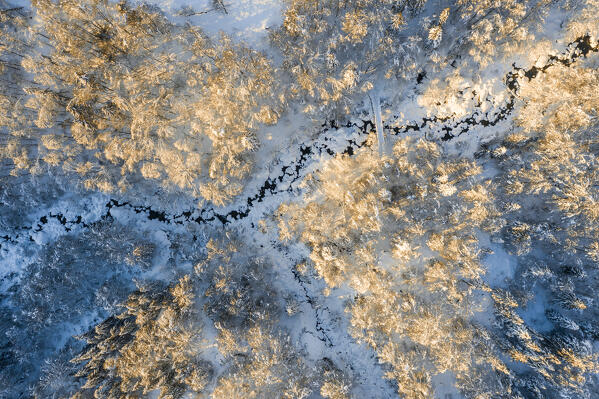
{"x": 285, "y": 180}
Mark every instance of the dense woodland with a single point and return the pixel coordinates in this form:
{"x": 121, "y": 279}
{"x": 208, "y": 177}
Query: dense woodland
{"x": 414, "y": 266}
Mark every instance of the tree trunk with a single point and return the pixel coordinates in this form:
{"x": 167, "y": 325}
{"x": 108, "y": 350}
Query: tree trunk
{"x": 375, "y": 104}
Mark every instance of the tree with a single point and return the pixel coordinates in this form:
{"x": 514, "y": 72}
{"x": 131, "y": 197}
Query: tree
{"x": 335, "y": 49}
{"x": 119, "y": 95}
{"x": 154, "y": 345}
{"x": 547, "y": 183}
{"x": 401, "y": 232}
{"x": 63, "y": 285}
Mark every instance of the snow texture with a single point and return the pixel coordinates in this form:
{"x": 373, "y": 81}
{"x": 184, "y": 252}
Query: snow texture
{"x": 320, "y": 326}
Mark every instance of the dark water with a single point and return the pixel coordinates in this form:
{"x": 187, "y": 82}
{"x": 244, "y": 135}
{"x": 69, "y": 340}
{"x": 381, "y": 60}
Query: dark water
{"x": 289, "y": 174}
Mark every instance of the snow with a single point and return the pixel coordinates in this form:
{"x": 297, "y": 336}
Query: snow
{"x": 15, "y": 256}
{"x": 534, "y": 312}
{"x": 500, "y": 267}
{"x": 321, "y": 324}
{"x": 445, "y": 386}
{"x": 245, "y": 20}
{"x": 375, "y": 102}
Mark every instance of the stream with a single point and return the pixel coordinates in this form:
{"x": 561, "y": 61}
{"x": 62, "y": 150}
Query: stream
{"x": 285, "y": 180}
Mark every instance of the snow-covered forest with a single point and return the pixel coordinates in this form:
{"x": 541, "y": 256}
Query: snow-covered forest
{"x": 299, "y": 199}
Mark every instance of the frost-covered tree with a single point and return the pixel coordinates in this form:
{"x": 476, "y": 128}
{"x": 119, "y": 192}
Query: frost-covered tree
{"x": 334, "y": 49}
{"x": 155, "y": 345}
{"x": 498, "y": 29}
{"x": 168, "y": 339}
{"x": 548, "y": 187}
{"x": 268, "y": 366}
{"x": 261, "y": 359}
{"x": 402, "y": 232}
{"x": 116, "y": 93}
{"x": 67, "y": 284}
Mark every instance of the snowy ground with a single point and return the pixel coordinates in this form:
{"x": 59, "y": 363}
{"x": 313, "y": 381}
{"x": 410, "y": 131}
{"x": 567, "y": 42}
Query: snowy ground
{"x": 320, "y": 326}
{"x": 245, "y": 20}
